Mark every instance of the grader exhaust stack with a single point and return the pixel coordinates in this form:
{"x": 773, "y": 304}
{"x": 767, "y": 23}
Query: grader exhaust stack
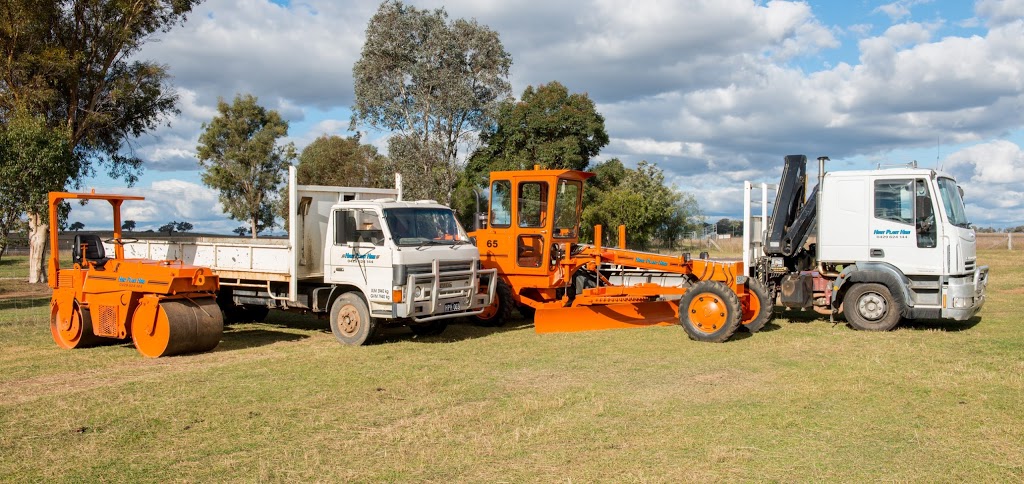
{"x": 532, "y": 239}
{"x": 165, "y": 307}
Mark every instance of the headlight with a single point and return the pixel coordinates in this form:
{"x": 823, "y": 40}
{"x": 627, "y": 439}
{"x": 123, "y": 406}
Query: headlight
{"x": 419, "y": 292}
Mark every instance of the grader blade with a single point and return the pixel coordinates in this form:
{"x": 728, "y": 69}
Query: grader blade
{"x": 166, "y": 327}
{"x": 606, "y": 316}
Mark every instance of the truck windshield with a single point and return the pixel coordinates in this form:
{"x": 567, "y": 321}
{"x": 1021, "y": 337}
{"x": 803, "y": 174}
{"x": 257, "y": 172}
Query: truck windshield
{"x": 421, "y": 226}
{"x": 952, "y": 203}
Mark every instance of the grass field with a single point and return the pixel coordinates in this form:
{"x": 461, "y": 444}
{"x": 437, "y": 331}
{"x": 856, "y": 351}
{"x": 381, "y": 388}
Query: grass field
{"x": 803, "y": 400}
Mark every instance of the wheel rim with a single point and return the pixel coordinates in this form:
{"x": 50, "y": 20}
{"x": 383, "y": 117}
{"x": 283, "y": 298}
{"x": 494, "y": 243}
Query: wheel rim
{"x": 67, "y": 334}
{"x": 490, "y": 311}
{"x": 872, "y": 306}
{"x": 707, "y": 312}
{"x": 348, "y": 320}
{"x": 753, "y": 307}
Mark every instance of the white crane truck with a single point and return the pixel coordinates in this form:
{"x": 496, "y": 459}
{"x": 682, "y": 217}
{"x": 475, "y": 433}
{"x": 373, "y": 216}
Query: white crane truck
{"x": 889, "y": 244}
{"x": 360, "y": 255}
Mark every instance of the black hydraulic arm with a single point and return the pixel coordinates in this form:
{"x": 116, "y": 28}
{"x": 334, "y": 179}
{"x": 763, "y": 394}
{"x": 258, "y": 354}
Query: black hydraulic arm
{"x": 792, "y": 218}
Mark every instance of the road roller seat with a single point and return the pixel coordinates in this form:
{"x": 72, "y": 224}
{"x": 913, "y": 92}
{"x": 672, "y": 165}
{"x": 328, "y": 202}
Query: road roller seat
{"x": 94, "y": 252}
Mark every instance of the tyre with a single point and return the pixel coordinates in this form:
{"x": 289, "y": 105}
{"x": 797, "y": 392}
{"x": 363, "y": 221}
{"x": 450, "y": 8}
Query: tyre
{"x": 433, "y": 328}
{"x": 254, "y": 314}
{"x": 350, "y": 320}
{"x": 526, "y": 311}
{"x": 760, "y": 308}
{"x": 709, "y": 311}
{"x": 870, "y": 307}
{"x": 500, "y": 310}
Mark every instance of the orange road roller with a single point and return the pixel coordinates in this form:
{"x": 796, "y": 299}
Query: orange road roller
{"x": 166, "y": 307}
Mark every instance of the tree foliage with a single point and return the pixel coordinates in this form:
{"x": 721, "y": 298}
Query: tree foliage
{"x": 238, "y": 151}
{"x": 168, "y": 227}
{"x": 73, "y": 63}
{"x": 337, "y": 161}
{"x": 431, "y": 82}
{"x": 548, "y": 127}
{"x": 34, "y": 160}
{"x": 637, "y": 198}
{"x": 76, "y": 226}
{"x": 128, "y": 225}
{"x": 183, "y": 227}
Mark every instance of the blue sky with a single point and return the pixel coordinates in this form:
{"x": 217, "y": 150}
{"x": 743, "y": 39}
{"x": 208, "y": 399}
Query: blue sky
{"x": 713, "y": 91}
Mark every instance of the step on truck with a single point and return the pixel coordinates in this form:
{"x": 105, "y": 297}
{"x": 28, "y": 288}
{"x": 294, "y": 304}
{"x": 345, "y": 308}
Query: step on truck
{"x": 878, "y": 246}
{"x": 362, "y": 256}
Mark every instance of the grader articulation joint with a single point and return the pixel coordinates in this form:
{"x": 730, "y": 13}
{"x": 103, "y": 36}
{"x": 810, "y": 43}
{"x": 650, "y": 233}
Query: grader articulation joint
{"x": 166, "y": 307}
{"x": 532, "y": 236}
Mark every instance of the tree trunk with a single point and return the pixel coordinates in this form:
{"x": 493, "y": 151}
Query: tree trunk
{"x": 252, "y": 224}
{"x": 38, "y": 232}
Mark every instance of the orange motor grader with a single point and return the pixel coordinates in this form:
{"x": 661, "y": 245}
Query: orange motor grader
{"x": 165, "y": 307}
{"x": 532, "y": 237}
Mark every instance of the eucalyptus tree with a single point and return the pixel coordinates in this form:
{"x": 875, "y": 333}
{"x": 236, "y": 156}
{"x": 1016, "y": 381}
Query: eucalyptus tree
{"x": 73, "y": 63}
{"x": 434, "y": 84}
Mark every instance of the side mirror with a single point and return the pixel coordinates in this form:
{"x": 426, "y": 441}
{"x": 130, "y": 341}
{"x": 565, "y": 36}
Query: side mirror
{"x": 472, "y": 239}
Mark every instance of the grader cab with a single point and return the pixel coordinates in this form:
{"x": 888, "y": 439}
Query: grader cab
{"x": 166, "y": 307}
{"x": 532, "y": 238}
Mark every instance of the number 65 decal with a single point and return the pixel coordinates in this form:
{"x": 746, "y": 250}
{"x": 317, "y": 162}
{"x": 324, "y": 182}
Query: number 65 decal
{"x": 492, "y": 244}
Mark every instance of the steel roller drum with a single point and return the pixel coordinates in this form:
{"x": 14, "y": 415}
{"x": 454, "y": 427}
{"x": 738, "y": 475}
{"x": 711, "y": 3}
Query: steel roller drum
{"x": 166, "y": 327}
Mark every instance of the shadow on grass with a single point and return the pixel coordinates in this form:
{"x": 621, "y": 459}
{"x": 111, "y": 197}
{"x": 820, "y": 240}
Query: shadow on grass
{"x": 237, "y": 339}
{"x": 24, "y": 303}
{"x": 456, "y": 331}
{"x": 797, "y": 316}
{"x": 941, "y": 324}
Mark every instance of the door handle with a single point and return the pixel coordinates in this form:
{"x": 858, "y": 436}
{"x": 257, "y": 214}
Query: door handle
{"x": 877, "y": 253}
{"x": 339, "y": 269}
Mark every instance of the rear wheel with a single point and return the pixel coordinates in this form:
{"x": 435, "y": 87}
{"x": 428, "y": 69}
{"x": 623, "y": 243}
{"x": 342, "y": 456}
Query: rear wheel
{"x": 709, "y": 311}
{"x": 870, "y": 307}
{"x": 350, "y": 320}
{"x": 759, "y": 307}
{"x": 500, "y": 310}
{"x": 73, "y": 331}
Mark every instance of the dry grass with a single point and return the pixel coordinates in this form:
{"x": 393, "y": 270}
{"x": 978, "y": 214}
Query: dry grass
{"x": 803, "y": 400}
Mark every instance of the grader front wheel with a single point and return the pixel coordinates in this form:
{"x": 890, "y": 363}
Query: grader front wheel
{"x": 709, "y": 311}
{"x": 70, "y": 329}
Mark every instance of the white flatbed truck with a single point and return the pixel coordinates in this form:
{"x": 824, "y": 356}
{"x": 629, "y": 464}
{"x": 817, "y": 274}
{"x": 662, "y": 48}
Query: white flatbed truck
{"x": 360, "y": 255}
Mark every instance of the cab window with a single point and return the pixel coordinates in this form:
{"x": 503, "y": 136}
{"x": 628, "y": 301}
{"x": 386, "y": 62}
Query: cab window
{"x": 567, "y": 208}
{"x": 357, "y": 226}
{"x": 894, "y": 200}
{"x": 501, "y": 204}
{"x": 533, "y": 206}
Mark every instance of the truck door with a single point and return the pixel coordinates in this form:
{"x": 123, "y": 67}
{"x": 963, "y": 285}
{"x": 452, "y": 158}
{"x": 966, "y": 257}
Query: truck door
{"x": 359, "y": 255}
{"x": 903, "y": 228}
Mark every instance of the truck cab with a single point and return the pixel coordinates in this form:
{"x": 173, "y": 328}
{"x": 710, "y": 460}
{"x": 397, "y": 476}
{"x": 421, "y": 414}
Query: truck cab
{"x": 889, "y": 244}
{"x": 411, "y": 260}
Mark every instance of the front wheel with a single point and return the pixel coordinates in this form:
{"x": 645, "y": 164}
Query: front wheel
{"x": 710, "y": 312}
{"x": 350, "y": 320}
{"x": 500, "y": 310}
{"x": 870, "y": 307}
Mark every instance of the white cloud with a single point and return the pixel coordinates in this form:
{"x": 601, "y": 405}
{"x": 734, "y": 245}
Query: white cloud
{"x": 712, "y": 91}
{"x": 999, "y": 12}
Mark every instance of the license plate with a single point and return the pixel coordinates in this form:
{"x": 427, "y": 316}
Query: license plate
{"x": 452, "y": 307}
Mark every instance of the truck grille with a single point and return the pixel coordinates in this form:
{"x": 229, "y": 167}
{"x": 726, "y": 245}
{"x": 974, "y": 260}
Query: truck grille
{"x": 444, "y": 266}
{"x": 970, "y": 264}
